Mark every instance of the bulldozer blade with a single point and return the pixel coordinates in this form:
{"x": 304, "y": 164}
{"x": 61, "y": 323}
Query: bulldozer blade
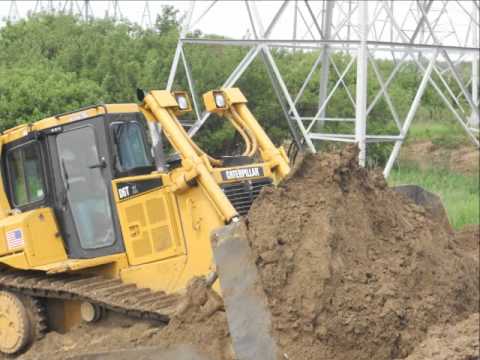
{"x": 430, "y": 201}
{"x": 249, "y": 319}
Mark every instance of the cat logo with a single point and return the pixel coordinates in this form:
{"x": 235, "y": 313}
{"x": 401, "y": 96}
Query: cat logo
{"x": 235, "y": 174}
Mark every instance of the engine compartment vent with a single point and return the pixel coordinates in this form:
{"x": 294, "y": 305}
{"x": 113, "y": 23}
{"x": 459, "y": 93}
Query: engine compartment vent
{"x": 243, "y": 193}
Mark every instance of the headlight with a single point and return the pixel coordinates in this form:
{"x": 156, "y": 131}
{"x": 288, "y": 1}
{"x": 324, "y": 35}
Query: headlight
{"x": 182, "y": 102}
{"x": 219, "y": 100}
{"x": 216, "y": 101}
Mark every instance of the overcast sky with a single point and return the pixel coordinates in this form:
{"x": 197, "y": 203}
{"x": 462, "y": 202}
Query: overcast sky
{"x": 230, "y": 18}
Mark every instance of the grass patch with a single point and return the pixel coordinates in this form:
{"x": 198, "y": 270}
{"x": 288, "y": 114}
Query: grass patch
{"x": 459, "y": 193}
{"x": 441, "y": 133}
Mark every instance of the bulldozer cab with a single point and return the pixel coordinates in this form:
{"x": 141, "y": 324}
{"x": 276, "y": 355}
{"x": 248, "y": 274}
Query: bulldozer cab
{"x": 70, "y": 169}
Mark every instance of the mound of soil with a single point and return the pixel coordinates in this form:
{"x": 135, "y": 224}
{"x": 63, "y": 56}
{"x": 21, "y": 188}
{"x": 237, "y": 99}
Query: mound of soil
{"x": 468, "y": 239}
{"x": 451, "y": 342}
{"x": 352, "y": 269}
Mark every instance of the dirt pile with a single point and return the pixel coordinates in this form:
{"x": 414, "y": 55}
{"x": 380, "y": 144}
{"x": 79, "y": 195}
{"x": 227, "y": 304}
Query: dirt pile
{"x": 453, "y": 342}
{"x": 352, "y": 269}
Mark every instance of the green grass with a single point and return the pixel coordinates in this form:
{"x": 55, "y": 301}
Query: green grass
{"x": 448, "y": 134}
{"x": 459, "y": 193}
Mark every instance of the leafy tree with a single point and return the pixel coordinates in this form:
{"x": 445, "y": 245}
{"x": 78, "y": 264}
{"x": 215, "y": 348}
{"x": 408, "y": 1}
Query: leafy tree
{"x": 54, "y": 63}
{"x": 34, "y": 92}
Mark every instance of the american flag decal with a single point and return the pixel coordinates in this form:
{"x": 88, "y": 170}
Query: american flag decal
{"x": 14, "y": 239}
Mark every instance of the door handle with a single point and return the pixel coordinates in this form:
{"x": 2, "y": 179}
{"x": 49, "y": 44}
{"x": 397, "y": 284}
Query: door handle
{"x": 101, "y": 165}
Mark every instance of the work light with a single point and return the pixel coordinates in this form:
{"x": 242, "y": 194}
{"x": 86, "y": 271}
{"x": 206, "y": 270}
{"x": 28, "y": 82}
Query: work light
{"x": 219, "y": 100}
{"x": 182, "y": 102}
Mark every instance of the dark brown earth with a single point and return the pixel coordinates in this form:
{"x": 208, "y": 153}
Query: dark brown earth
{"x": 351, "y": 270}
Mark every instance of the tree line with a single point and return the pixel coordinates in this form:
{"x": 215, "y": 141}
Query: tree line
{"x": 50, "y": 64}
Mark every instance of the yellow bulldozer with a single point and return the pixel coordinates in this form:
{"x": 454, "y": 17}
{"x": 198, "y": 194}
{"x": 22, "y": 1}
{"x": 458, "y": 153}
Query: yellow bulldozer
{"x": 89, "y": 221}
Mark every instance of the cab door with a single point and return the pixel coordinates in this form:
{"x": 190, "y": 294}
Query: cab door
{"x": 85, "y": 201}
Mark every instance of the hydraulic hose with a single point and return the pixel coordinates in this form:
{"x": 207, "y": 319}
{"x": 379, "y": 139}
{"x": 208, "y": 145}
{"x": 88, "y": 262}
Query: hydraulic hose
{"x": 252, "y": 137}
{"x": 197, "y": 149}
{"x": 240, "y": 130}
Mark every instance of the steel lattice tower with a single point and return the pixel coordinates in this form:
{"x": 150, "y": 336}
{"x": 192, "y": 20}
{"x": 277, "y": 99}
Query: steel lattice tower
{"x": 113, "y": 10}
{"x": 146, "y": 16}
{"x": 13, "y": 13}
{"x": 425, "y": 34}
{"x": 439, "y": 37}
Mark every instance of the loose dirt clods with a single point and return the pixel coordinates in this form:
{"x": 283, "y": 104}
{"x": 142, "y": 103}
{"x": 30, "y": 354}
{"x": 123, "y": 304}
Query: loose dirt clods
{"x": 351, "y": 270}
{"x": 200, "y": 322}
{"x": 451, "y": 342}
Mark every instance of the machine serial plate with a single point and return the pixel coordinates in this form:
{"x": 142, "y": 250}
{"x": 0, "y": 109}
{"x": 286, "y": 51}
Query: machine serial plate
{"x": 235, "y": 174}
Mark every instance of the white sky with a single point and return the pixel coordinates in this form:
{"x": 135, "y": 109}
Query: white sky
{"x": 230, "y": 18}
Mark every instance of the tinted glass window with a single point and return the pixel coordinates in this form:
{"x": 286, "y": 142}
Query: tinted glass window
{"x": 26, "y": 174}
{"x": 87, "y": 191}
{"x": 131, "y": 148}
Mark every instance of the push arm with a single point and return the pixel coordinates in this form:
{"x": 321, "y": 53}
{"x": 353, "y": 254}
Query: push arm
{"x": 160, "y": 106}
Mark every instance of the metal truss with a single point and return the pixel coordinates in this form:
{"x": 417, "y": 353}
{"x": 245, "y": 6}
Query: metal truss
{"x": 86, "y": 9}
{"x": 74, "y": 8}
{"x": 44, "y": 6}
{"x": 424, "y": 33}
{"x": 81, "y": 8}
{"x": 13, "y": 13}
{"x": 438, "y": 37}
{"x": 113, "y": 11}
{"x": 146, "y": 21}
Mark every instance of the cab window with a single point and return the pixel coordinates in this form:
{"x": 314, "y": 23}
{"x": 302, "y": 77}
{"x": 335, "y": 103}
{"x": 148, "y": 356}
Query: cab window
{"x": 26, "y": 174}
{"x": 130, "y": 146}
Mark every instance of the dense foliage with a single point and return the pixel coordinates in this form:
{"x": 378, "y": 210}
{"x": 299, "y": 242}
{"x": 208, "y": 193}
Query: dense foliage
{"x": 55, "y": 63}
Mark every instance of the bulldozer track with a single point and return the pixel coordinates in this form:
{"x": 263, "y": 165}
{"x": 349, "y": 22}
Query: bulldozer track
{"x": 111, "y": 294}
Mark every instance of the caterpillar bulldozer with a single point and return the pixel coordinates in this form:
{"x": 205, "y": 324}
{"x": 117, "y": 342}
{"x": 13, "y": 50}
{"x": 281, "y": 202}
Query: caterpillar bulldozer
{"x": 93, "y": 220}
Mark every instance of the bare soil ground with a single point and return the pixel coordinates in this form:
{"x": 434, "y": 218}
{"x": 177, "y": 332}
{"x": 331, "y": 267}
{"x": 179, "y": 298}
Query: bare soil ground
{"x": 451, "y": 342}
{"x": 463, "y": 159}
{"x": 200, "y": 328}
{"x": 351, "y": 270}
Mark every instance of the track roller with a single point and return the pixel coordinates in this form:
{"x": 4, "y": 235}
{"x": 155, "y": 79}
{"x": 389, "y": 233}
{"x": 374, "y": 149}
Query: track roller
{"x": 91, "y": 313}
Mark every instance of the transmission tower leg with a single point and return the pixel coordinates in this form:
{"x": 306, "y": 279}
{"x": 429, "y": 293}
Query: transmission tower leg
{"x": 411, "y": 114}
{"x": 361, "y": 95}
{"x": 327, "y": 25}
{"x": 475, "y": 79}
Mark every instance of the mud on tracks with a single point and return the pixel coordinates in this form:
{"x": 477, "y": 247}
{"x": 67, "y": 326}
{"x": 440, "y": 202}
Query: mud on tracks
{"x": 199, "y": 328}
